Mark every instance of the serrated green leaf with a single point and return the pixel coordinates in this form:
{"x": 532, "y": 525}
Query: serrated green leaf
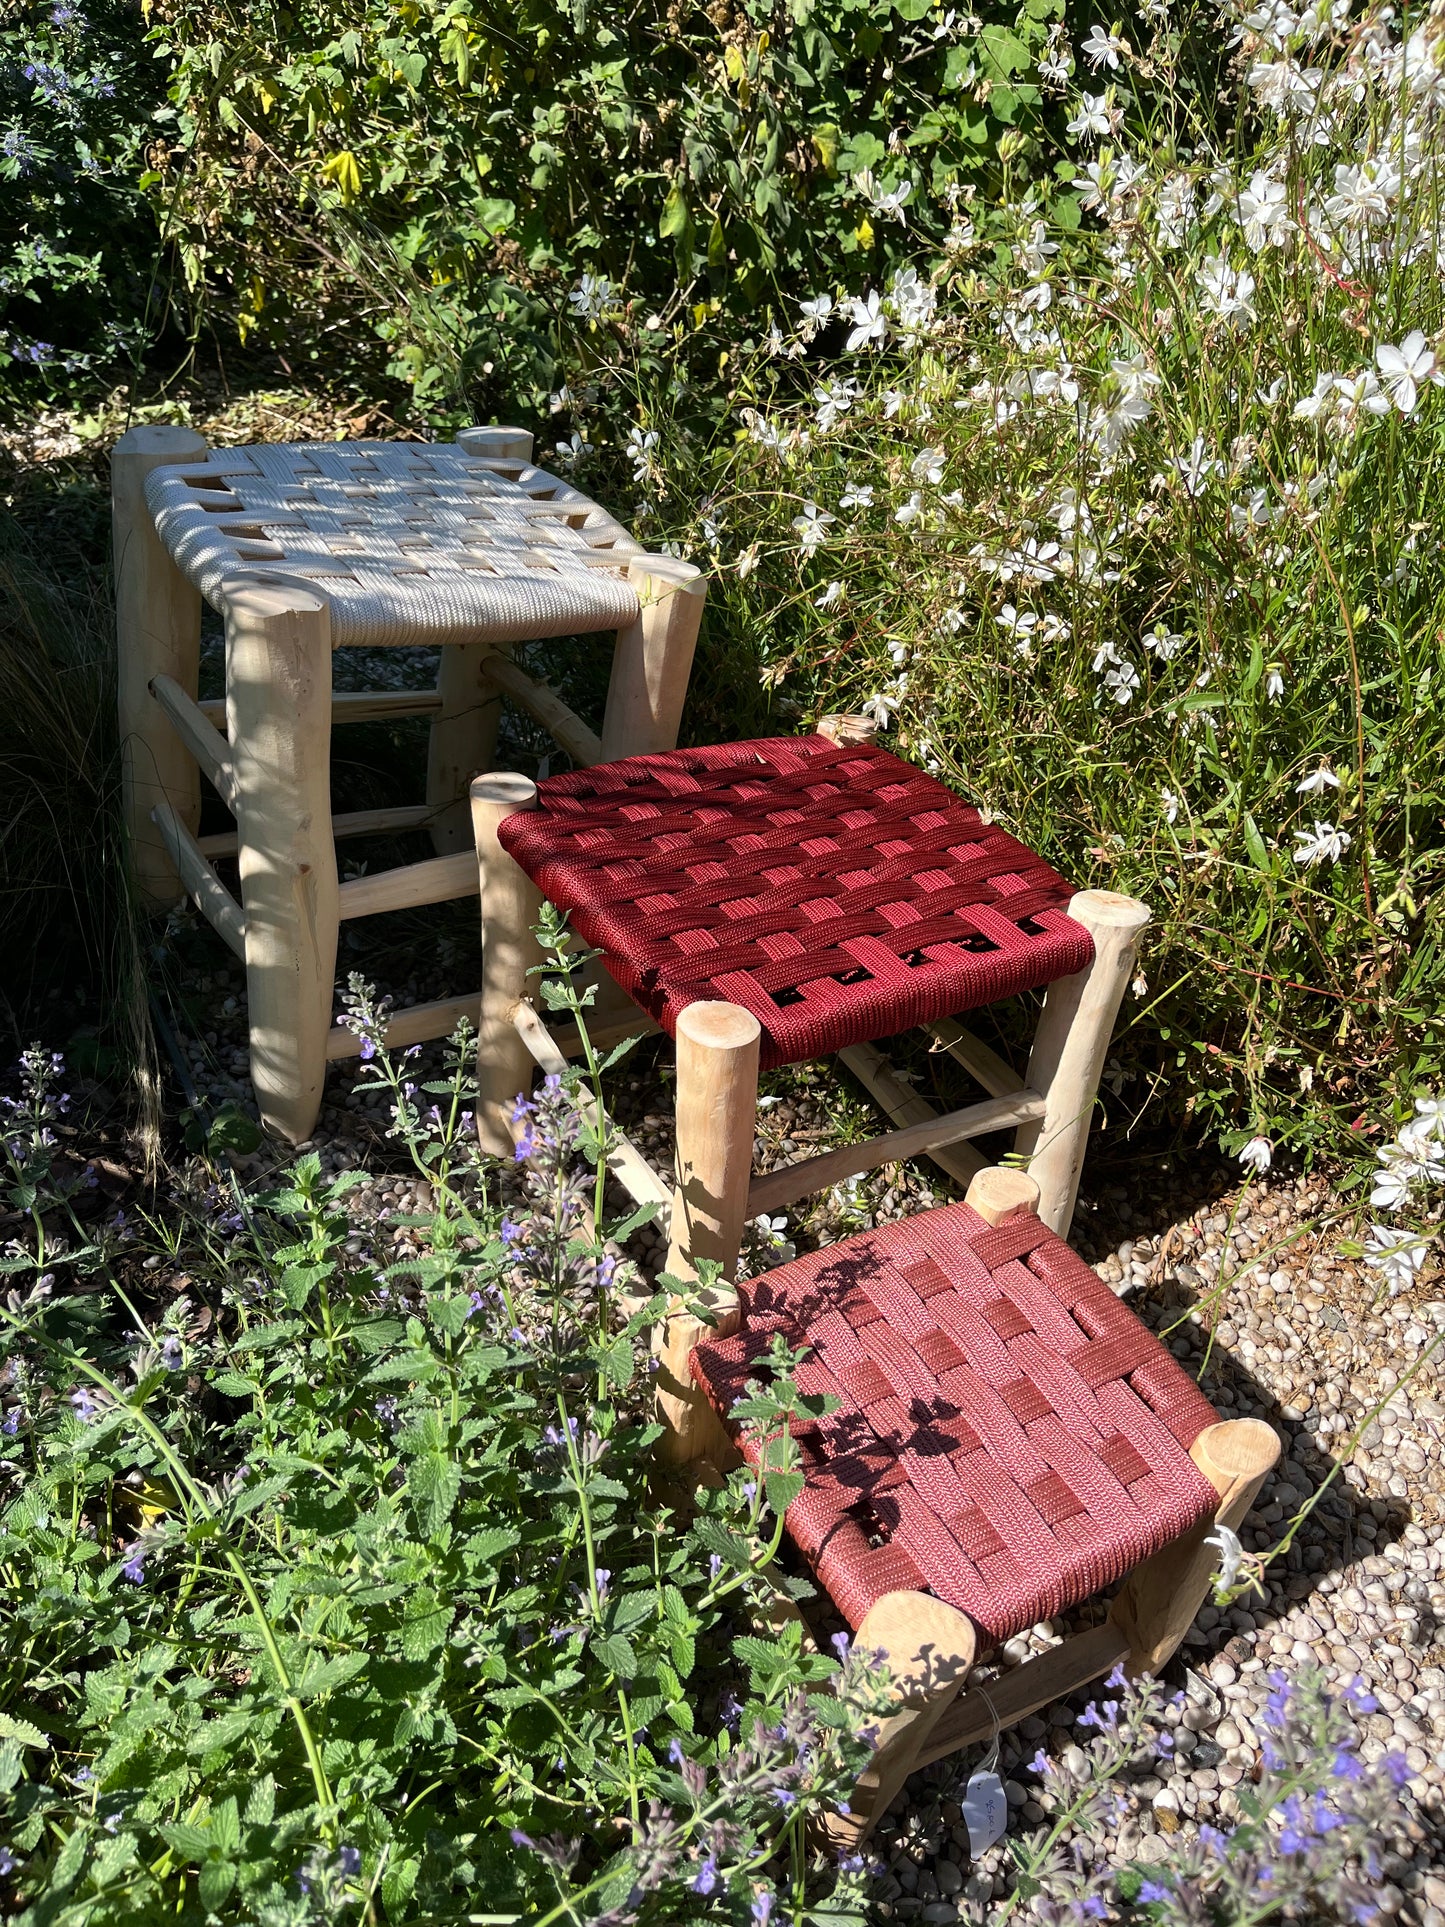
{"x": 617, "y": 1655}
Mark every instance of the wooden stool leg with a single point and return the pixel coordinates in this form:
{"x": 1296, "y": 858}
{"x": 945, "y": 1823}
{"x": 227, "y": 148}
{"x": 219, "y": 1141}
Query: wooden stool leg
{"x": 653, "y": 658}
{"x": 463, "y": 741}
{"x": 511, "y": 905}
{"x": 278, "y": 711}
{"x": 998, "y": 1191}
{"x": 463, "y": 738}
{"x": 158, "y": 633}
{"x": 1157, "y": 1604}
{"x": 717, "y": 1103}
{"x": 1072, "y": 1042}
{"x": 929, "y": 1648}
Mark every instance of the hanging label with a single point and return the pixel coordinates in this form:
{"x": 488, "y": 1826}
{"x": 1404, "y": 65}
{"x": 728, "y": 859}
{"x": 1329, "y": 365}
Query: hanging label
{"x": 985, "y": 1812}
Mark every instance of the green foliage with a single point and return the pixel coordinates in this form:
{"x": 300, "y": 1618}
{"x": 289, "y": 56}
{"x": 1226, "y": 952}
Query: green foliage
{"x": 357, "y": 1587}
{"x": 455, "y": 170}
{"x": 79, "y": 100}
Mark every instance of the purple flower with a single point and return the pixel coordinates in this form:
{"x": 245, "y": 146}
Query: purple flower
{"x": 1041, "y": 1763}
{"x": 604, "y": 1580}
{"x": 1212, "y": 1840}
{"x": 368, "y": 1048}
{"x": 171, "y": 1356}
{"x": 526, "y": 1147}
{"x": 840, "y": 1643}
{"x": 520, "y": 1839}
{"x": 12, "y": 1421}
{"x": 714, "y": 1564}
{"x": 706, "y": 1877}
{"x": 134, "y": 1567}
{"x": 84, "y": 1404}
{"x": 1092, "y": 1907}
{"x": 1345, "y": 1766}
{"x": 1150, "y": 1891}
{"x": 784, "y": 1797}
{"x": 675, "y": 1753}
{"x": 8, "y": 1862}
{"x": 348, "y": 1860}
{"x": 763, "y": 1903}
{"x": 1398, "y": 1768}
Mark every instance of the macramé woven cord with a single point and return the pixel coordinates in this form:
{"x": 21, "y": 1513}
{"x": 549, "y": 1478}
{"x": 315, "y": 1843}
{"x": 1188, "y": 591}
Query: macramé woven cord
{"x": 837, "y": 893}
{"x": 1008, "y": 1435}
{"x": 411, "y": 542}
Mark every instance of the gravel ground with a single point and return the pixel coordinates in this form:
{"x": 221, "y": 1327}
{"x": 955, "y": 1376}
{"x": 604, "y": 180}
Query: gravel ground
{"x": 1248, "y": 1287}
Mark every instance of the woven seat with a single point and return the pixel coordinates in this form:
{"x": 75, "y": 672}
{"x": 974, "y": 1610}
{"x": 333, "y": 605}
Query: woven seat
{"x": 410, "y": 542}
{"x": 1009, "y": 1436}
{"x": 838, "y": 894}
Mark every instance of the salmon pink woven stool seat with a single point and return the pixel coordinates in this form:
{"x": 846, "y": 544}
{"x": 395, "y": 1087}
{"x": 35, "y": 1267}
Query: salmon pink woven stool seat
{"x": 1009, "y": 1437}
{"x": 838, "y": 894}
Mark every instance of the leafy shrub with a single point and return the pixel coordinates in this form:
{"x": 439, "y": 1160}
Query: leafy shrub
{"x": 1129, "y": 533}
{"x": 334, "y": 1585}
{"x": 79, "y": 101}
{"x": 455, "y": 169}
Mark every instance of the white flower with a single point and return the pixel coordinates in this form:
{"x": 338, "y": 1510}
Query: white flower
{"x": 1397, "y": 1255}
{"x": 870, "y": 324}
{"x": 889, "y": 202}
{"x": 1322, "y": 779}
{"x": 952, "y": 620}
{"x": 882, "y": 706}
{"x": 833, "y": 593}
{"x": 639, "y": 451}
{"x": 1121, "y": 681}
{"x": 816, "y": 311}
{"x": 1175, "y": 209}
{"x": 1274, "y": 685}
{"x": 1103, "y": 49}
{"x": 909, "y": 511}
{"x": 1163, "y": 642}
{"x": 1226, "y": 291}
{"x": 1264, "y": 214}
{"x": 1257, "y": 1155}
{"x": 812, "y": 527}
{"x": 834, "y": 401}
{"x": 1196, "y": 467}
{"x": 857, "y": 495}
{"x": 1325, "y": 844}
{"x": 1093, "y": 121}
{"x": 1362, "y": 195}
{"x": 927, "y": 465}
{"x": 747, "y": 561}
{"x": 1170, "y": 804}
{"x": 591, "y": 296}
{"x": 1231, "y": 1556}
{"x": 1429, "y": 1117}
{"x": 1403, "y": 370}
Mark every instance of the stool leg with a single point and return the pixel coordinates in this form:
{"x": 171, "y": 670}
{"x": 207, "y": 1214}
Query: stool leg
{"x": 929, "y": 1648}
{"x": 158, "y": 633}
{"x": 717, "y": 1103}
{"x": 653, "y": 658}
{"x": 1070, "y": 1047}
{"x": 463, "y": 741}
{"x": 278, "y": 710}
{"x": 1158, "y": 1602}
{"x": 511, "y": 905}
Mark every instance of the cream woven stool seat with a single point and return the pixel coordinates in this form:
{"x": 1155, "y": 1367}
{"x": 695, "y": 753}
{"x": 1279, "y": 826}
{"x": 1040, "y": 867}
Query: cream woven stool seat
{"x": 308, "y": 547}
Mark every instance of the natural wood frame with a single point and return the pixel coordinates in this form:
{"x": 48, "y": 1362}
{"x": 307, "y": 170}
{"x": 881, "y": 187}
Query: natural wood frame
{"x": 265, "y": 748}
{"x": 929, "y": 1647}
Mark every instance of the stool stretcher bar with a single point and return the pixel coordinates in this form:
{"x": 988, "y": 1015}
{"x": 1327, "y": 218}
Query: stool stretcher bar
{"x": 903, "y": 1105}
{"x": 546, "y": 707}
{"x": 407, "y": 816}
{"x": 355, "y": 705}
{"x": 983, "y": 1065}
{"x": 210, "y": 895}
{"x": 438, "y": 880}
{"x": 201, "y": 738}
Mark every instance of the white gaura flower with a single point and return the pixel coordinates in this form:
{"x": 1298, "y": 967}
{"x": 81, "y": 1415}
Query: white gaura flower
{"x": 927, "y": 465}
{"x": 1171, "y": 806}
{"x": 1163, "y": 642}
{"x": 1264, "y": 213}
{"x": 857, "y": 495}
{"x": 1405, "y": 370}
{"x": 1174, "y": 211}
{"x": 1231, "y": 1556}
{"x": 1323, "y": 844}
{"x": 747, "y": 561}
{"x": 812, "y": 527}
{"x": 952, "y": 620}
{"x": 1093, "y": 121}
{"x": 833, "y": 593}
{"x": 591, "y": 296}
{"x": 1429, "y": 1116}
{"x": 640, "y": 445}
{"x": 898, "y": 653}
{"x": 1273, "y": 684}
{"x": 1363, "y": 194}
{"x": 1102, "y": 49}
{"x": 870, "y": 324}
{"x": 1315, "y": 784}
{"x": 881, "y": 707}
{"x": 834, "y": 399}
{"x": 1226, "y": 291}
{"x": 816, "y": 311}
{"x": 1195, "y": 468}
{"x": 910, "y": 511}
{"x": 1397, "y": 1255}
{"x": 1257, "y": 1155}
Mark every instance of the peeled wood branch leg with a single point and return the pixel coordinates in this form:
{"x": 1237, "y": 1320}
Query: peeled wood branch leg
{"x": 652, "y": 659}
{"x": 511, "y": 907}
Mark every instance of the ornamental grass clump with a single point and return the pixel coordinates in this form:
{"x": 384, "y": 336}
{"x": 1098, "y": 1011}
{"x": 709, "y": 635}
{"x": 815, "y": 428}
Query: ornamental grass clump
{"x": 1120, "y": 513}
{"x": 341, "y": 1589}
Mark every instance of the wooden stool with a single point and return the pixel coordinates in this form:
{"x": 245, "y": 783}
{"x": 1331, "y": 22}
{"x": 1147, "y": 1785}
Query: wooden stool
{"x": 309, "y": 547}
{"x": 1009, "y": 1439}
{"x": 772, "y": 901}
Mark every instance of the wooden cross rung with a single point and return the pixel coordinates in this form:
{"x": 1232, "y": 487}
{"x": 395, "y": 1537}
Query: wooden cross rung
{"x": 206, "y": 743}
{"x": 780, "y": 1188}
{"x": 546, "y": 707}
{"x": 411, "y": 885}
{"x": 356, "y": 705}
{"x": 978, "y": 1715}
{"x": 414, "y": 1024}
{"x": 642, "y": 1183}
{"x": 202, "y": 885}
{"x": 983, "y": 1064}
{"x": 410, "y": 816}
{"x": 903, "y": 1105}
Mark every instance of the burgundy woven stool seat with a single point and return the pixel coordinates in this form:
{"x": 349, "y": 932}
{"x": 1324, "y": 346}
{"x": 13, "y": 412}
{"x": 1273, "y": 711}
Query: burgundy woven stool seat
{"x": 1009, "y": 1437}
{"x": 837, "y": 893}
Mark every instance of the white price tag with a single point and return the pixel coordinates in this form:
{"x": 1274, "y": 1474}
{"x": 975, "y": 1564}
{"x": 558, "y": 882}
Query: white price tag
{"x": 985, "y": 1812}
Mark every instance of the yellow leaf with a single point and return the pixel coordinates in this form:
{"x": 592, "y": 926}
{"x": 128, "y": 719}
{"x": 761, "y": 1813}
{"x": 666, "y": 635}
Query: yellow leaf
{"x": 733, "y": 61}
{"x": 864, "y": 232}
{"x": 269, "y": 95}
{"x": 342, "y": 169}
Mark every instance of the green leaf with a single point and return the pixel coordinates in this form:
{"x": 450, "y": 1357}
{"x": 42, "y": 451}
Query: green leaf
{"x": 12, "y": 1728}
{"x": 1255, "y": 844}
{"x": 675, "y": 218}
{"x": 330, "y": 1674}
{"x": 630, "y": 1610}
{"x": 616, "y": 1654}
{"x": 214, "y": 1881}
{"x": 434, "y": 1480}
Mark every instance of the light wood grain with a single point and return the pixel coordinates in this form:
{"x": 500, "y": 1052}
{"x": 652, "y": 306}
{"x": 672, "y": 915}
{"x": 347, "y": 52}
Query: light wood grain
{"x": 1159, "y": 1601}
{"x": 158, "y": 633}
{"x": 652, "y": 659}
{"x": 1070, "y": 1046}
{"x": 717, "y": 1096}
{"x": 844, "y": 730}
{"x": 206, "y": 743}
{"x": 355, "y": 705}
{"x": 950, "y": 1127}
{"x": 983, "y": 1064}
{"x": 904, "y": 1106}
{"x": 278, "y": 709}
{"x": 438, "y": 880}
{"x": 545, "y": 706}
{"x": 207, "y": 892}
{"x": 407, "y": 816}
{"x": 462, "y": 741}
{"x": 999, "y": 1192}
{"x": 511, "y": 909}
{"x": 1039, "y": 1682}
